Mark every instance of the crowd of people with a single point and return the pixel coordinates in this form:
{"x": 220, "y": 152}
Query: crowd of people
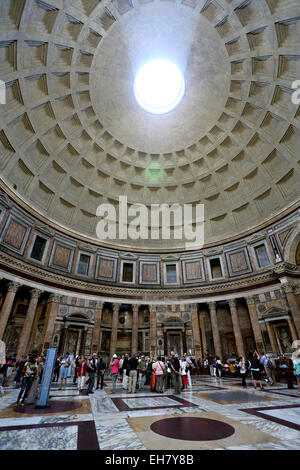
{"x": 135, "y": 372}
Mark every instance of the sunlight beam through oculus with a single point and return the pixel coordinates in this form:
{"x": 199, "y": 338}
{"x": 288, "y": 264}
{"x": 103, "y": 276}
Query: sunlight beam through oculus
{"x": 159, "y": 86}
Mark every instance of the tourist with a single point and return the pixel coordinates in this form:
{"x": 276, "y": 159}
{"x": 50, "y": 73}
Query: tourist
{"x": 56, "y": 369}
{"x": 10, "y": 364}
{"x": 243, "y": 371}
{"x": 29, "y": 371}
{"x": 183, "y": 373}
{"x": 132, "y": 367}
{"x": 75, "y": 370}
{"x": 121, "y": 368}
{"x": 65, "y": 364}
{"x": 269, "y": 368}
{"x": 169, "y": 375}
{"x": 125, "y": 372}
{"x": 142, "y": 369}
{"x": 81, "y": 372}
{"x": 2, "y": 370}
{"x": 91, "y": 370}
{"x": 226, "y": 369}
{"x": 189, "y": 368}
{"x": 219, "y": 367}
{"x": 101, "y": 368}
{"x": 114, "y": 364}
{"x": 255, "y": 370}
{"x": 296, "y": 366}
{"x": 19, "y": 367}
{"x": 176, "y": 377}
{"x": 159, "y": 374}
{"x": 34, "y": 388}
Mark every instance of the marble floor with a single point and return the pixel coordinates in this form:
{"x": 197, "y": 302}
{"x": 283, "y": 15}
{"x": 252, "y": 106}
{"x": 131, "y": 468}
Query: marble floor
{"x": 214, "y": 414}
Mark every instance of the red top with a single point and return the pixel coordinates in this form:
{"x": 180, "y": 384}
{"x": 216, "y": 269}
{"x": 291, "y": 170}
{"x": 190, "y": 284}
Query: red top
{"x": 81, "y": 370}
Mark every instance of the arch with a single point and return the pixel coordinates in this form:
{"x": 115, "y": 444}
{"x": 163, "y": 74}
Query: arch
{"x": 292, "y": 246}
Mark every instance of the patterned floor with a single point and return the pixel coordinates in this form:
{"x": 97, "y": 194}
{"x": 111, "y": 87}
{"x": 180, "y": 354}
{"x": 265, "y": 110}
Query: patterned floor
{"x": 215, "y": 414}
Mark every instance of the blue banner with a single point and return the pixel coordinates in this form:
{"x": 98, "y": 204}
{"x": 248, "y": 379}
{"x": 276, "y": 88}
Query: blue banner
{"x": 47, "y": 379}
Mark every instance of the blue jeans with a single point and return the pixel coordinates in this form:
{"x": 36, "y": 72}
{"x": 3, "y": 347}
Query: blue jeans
{"x": 25, "y": 387}
{"x": 114, "y": 381}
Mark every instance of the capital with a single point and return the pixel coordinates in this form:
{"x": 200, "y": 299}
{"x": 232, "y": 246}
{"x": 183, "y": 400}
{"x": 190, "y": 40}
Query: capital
{"x": 135, "y": 308}
{"x": 212, "y": 305}
{"x": 232, "y": 303}
{"x": 35, "y": 293}
{"x": 153, "y": 308}
{"x": 53, "y": 298}
{"x": 116, "y": 307}
{"x": 250, "y": 300}
{"x": 13, "y": 286}
{"x": 99, "y": 305}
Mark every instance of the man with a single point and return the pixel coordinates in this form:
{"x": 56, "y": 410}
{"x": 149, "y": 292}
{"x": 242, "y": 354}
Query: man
{"x": 125, "y": 372}
{"x": 132, "y": 365}
{"x": 142, "y": 368}
{"x": 175, "y": 371}
{"x": 114, "y": 363}
{"x": 189, "y": 368}
{"x": 65, "y": 364}
{"x": 101, "y": 368}
{"x": 269, "y": 368}
{"x": 91, "y": 370}
{"x": 19, "y": 368}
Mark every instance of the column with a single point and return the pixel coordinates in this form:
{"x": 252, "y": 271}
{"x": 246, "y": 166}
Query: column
{"x": 292, "y": 329}
{"x": 50, "y": 318}
{"x": 25, "y": 333}
{"x": 236, "y": 328}
{"x": 34, "y": 328}
{"x": 7, "y": 306}
{"x": 153, "y": 331}
{"x": 196, "y": 333}
{"x": 114, "y": 330}
{"x": 215, "y": 328}
{"x": 135, "y": 328}
{"x": 203, "y": 333}
{"x": 272, "y": 337}
{"x": 97, "y": 327}
{"x": 294, "y": 308}
{"x": 255, "y": 324}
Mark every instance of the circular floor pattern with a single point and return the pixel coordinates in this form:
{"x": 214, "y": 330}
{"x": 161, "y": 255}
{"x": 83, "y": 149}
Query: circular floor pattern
{"x": 55, "y": 407}
{"x": 192, "y": 429}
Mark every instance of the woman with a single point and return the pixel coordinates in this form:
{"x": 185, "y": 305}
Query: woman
{"x": 29, "y": 371}
{"x": 219, "y": 367}
{"x": 243, "y": 371}
{"x": 296, "y": 365}
{"x": 34, "y": 389}
{"x": 159, "y": 374}
{"x": 255, "y": 370}
{"x": 81, "y": 372}
{"x": 183, "y": 373}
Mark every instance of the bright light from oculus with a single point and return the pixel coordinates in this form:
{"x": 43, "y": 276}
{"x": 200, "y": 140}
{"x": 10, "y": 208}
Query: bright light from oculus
{"x": 159, "y": 86}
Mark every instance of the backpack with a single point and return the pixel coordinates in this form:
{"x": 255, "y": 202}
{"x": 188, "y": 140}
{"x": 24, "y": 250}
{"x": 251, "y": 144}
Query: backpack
{"x": 270, "y": 365}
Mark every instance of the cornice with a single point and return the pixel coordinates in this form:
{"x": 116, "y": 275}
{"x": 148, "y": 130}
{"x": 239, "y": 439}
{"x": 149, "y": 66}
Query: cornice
{"x": 40, "y": 276}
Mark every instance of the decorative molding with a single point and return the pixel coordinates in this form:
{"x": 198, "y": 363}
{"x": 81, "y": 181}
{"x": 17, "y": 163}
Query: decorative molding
{"x": 65, "y": 281}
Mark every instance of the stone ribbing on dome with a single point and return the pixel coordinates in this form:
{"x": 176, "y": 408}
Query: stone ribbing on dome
{"x": 59, "y": 152}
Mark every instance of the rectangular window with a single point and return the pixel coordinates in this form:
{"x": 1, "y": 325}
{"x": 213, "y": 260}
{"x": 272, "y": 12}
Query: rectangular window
{"x": 215, "y": 268}
{"x": 83, "y": 265}
{"x": 262, "y": 256}
{"x": 127, "y": 275}
{"x": 171, "y": 273}
{"x": 38, "y": 248}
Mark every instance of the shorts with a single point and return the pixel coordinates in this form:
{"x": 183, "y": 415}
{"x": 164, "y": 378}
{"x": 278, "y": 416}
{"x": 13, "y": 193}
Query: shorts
{"x": 298, "y": 376}
{"x": 64, "y": 373}
{"x": 256, "y": 374}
